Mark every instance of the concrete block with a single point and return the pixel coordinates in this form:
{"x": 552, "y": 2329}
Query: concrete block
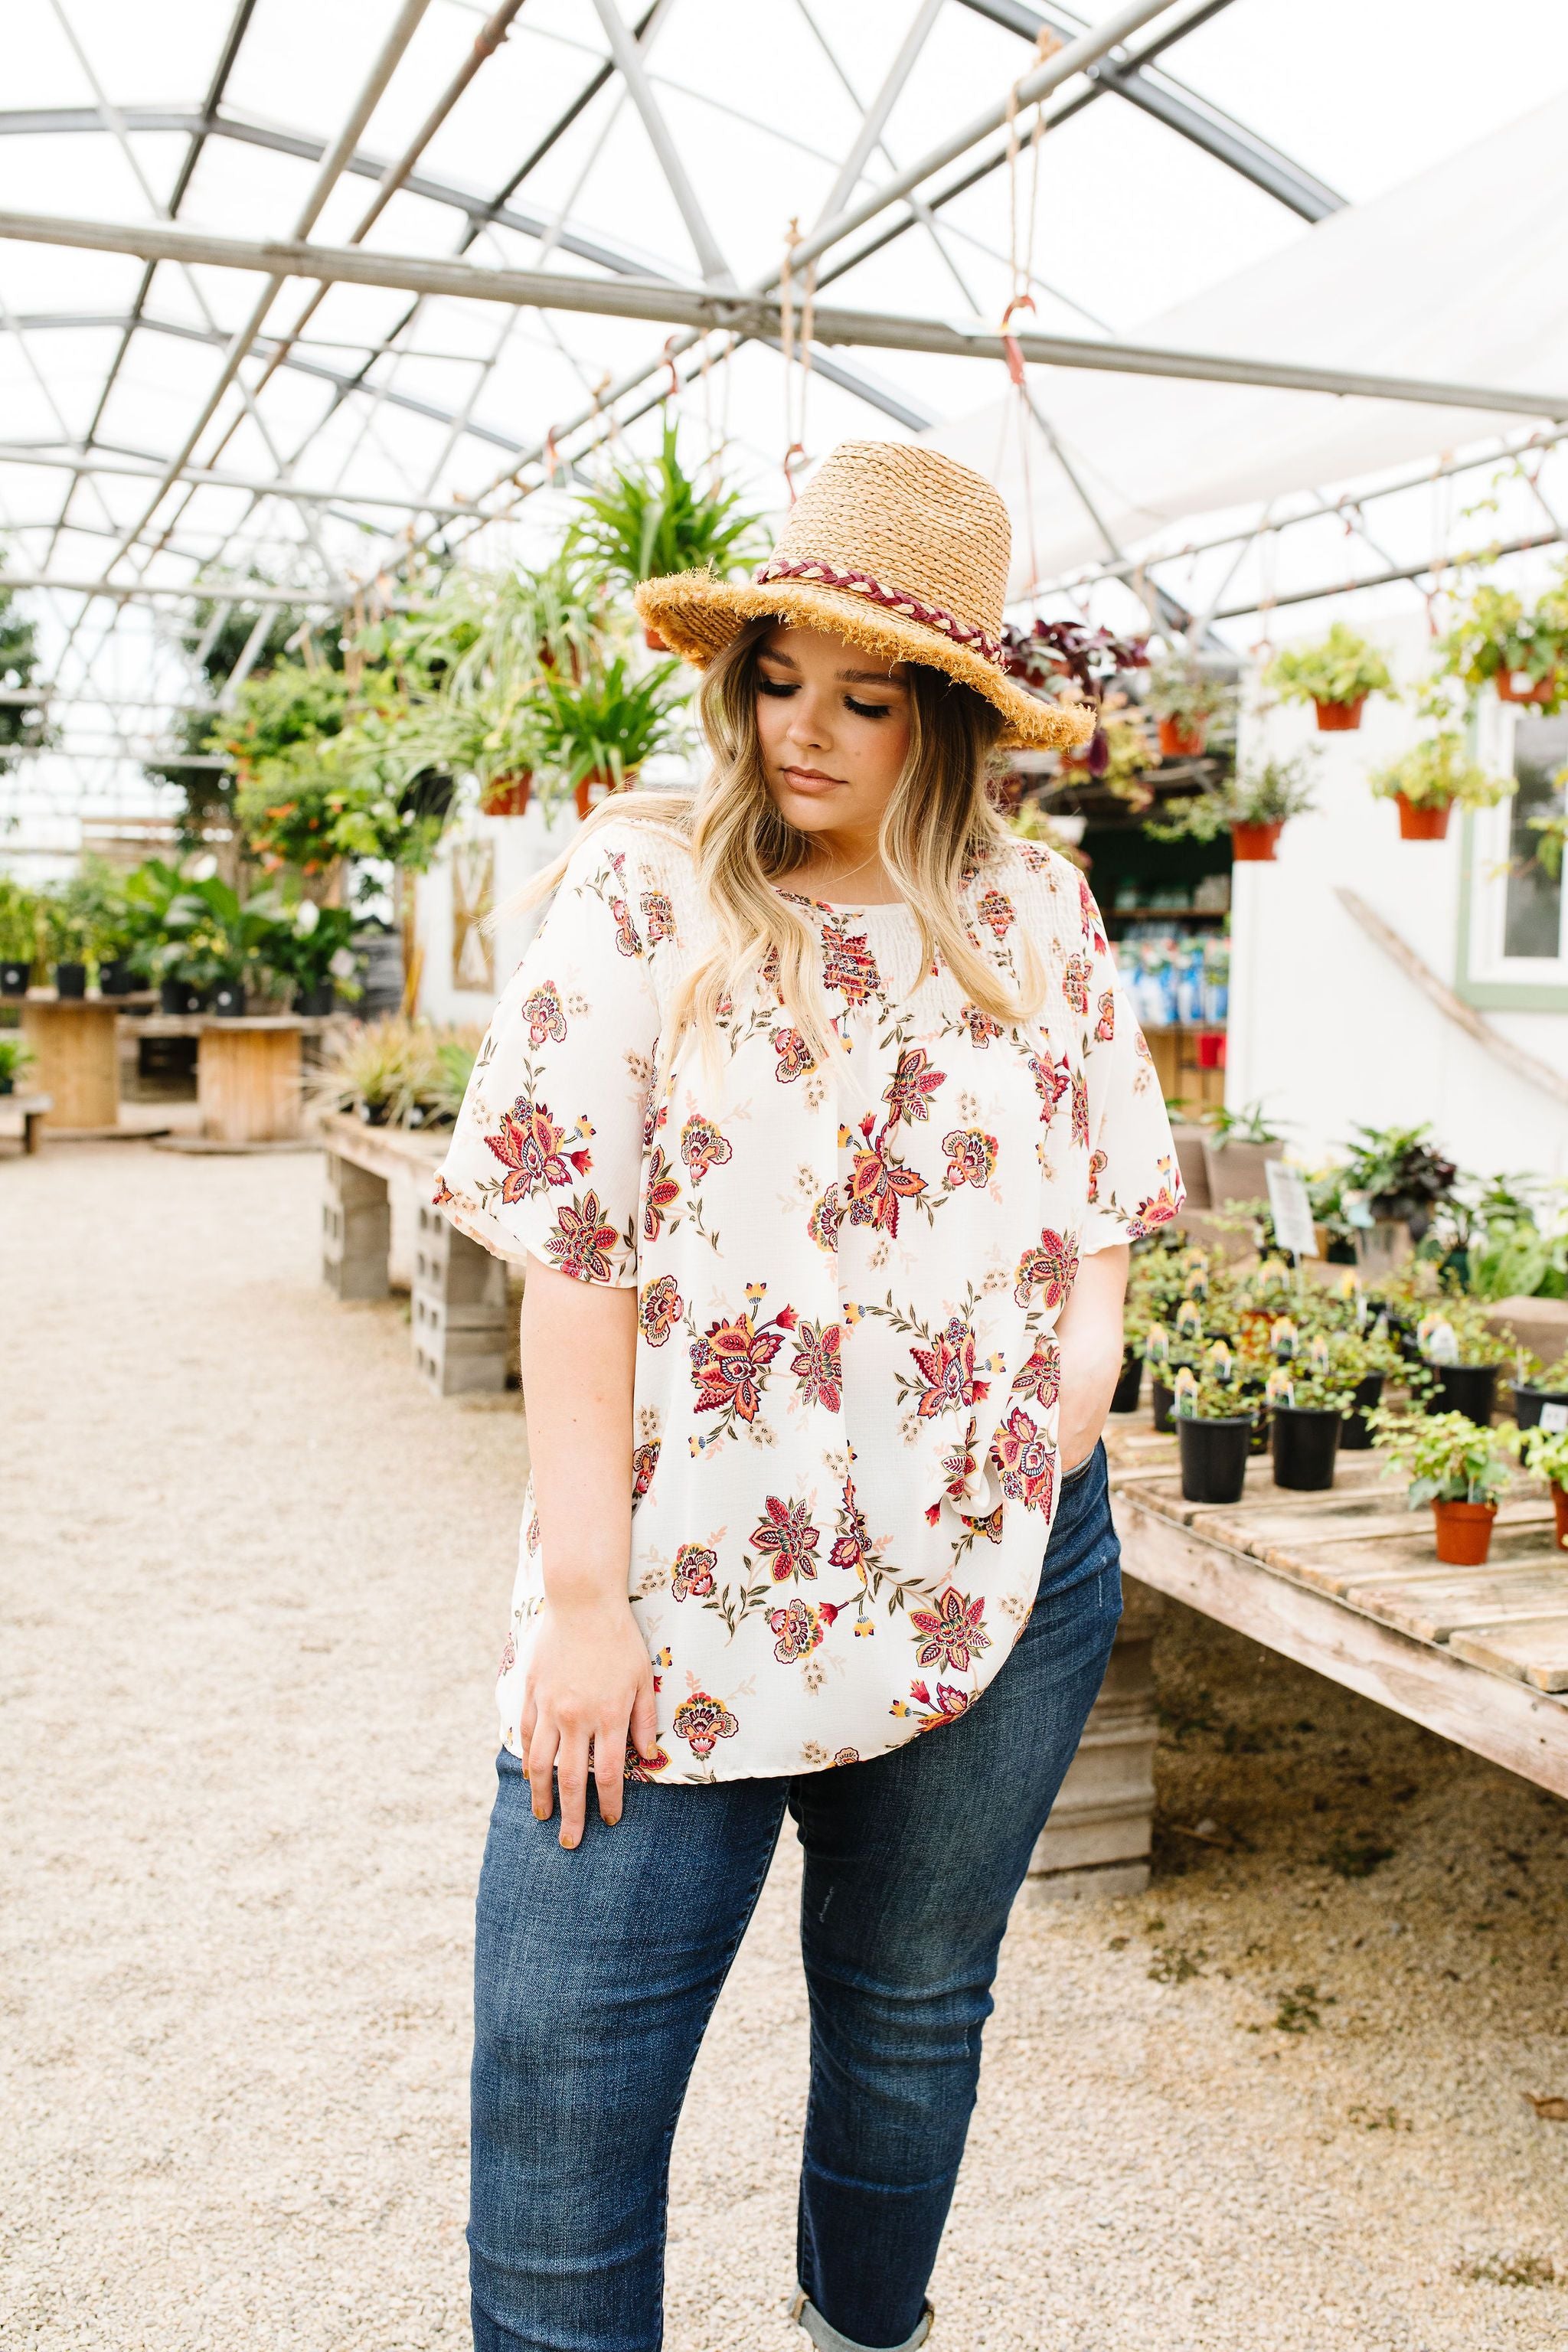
{"x": 356, "y": 1231}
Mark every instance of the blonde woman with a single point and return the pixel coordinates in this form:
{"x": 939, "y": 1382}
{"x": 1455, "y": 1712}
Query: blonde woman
{"x": 822, "y": 1127}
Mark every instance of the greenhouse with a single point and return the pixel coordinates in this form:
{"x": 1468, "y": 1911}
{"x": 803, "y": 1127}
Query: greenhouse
{"x": 892, "y": 682}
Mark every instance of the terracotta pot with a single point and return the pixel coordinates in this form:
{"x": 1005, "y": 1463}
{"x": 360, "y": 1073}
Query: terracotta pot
{"x": 654, "y": 642}
{"x": 1422, "y": 824}
{"x": 1509, "y": 689}
{"x": 1464, "y": 1532}
{"x": 1254, "y": 844}
{"x": 585, "y": 794}
{"x": 1559, "y": 1513}
{"x": 508, "y": 796}
{"x": 1339, "y": 717}
{"x": 1182, "y": 739}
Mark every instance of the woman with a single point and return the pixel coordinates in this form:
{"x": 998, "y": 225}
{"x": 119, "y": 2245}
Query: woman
{"x": 822, "y": 1124}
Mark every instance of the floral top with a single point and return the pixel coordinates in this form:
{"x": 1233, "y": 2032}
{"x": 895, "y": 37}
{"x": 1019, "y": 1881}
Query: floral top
{"x": 844, "y": 1460}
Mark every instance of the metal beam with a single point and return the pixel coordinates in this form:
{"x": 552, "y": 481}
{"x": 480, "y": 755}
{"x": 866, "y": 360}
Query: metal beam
{"x": 627, "y": 54}
{"x": 236, "y": 592}
{"x": 85, "y": 461}
{"x": 1193, "y": 118}
{"x": 874, "y": 119}
{"x": 1434, "y": 564}
{"x": 751, "y": 315}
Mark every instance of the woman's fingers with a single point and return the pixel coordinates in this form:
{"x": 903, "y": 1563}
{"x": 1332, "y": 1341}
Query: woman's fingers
{"x": 540, "y": 1752}
{"x": 572, "y": 1779}
{"x": 610, "y": 1767}
{"x": 645, "y": 1716}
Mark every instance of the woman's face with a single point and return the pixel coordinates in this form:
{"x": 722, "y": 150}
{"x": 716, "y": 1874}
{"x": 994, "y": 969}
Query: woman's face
{"x": 834, "y": 724}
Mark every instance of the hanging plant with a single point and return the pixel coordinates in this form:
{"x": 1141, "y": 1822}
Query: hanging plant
{"x": 653, "y": 520}
{"x": 1335, "y": 674}
{"x": 1430, "y": 778}
{"x": 1188, "y": 701}
{"x": 599, "y": 728}
{"x": 1523, "y": 654}
{"x": 1253, "y": 807}
{"x": 1051, "y": 653}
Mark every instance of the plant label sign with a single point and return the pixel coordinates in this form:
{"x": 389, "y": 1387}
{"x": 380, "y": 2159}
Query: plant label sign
{"x": 1291, "y": 1209}
{"x": 1554, "y": 1416}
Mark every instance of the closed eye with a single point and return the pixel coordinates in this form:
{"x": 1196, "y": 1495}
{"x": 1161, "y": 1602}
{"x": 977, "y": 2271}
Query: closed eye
{"x": 869, "y": 710}
{"x": 780, "y": 686}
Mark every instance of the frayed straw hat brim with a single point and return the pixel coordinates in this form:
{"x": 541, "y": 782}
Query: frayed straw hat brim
{"x": 697, "y": 615}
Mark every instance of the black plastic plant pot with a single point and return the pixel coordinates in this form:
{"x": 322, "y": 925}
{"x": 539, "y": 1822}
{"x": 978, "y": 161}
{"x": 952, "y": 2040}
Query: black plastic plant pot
{"x": 1125, "y": 1399}
{"x": 1306, "y": 1439}
{"x": 315, "y": 1003}
{"x": 1213, "y": 1459}
{"x": 177, "y": 996}
{"x": 1469, "y": 1389}
{"x": 1527, "y": 1403}
{"x": 1162, "y": 1398}
{"x": 71, "y": 980}
{"x": 1355, "y": 1437}
{"x": 115, "y": 977}
{"x": 228, "y": 1000}
{"x": 15, "y": 979}
{"x": 7, "y": 1083}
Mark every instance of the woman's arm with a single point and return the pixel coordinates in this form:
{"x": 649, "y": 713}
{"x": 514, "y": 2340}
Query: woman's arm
{"x": 1088, "y": 1333}
{"x": 590, "y": 1678}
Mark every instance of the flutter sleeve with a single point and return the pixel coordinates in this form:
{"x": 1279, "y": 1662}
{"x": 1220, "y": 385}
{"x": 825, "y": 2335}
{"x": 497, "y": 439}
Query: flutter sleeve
{"x": 1134, "y": 1183}
{"x": 545, "y": 1160}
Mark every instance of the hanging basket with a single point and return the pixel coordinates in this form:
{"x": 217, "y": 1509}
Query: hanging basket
{"x": 1518, "y": 686}
{"x": 654, "y": 642}
{"x": 1339, "y": 717}
{"x": 1182, "y": 739}
{"x": 1422, "y": 824}
{"x": 1254, "y": 844}
{"x": 508, "y": 796}
{"x": 596, "y": 788}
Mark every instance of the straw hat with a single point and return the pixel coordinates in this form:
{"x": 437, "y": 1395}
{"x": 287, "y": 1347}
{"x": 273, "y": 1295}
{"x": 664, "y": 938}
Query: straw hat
{"x": 899, "y": 549}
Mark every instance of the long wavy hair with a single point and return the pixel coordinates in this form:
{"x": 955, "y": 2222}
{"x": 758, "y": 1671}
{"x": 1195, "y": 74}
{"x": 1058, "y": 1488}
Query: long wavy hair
{"x": 939, "y": 826}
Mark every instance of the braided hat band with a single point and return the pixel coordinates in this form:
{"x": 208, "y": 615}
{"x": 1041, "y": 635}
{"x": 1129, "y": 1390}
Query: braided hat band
{"x": 897, "y": 548}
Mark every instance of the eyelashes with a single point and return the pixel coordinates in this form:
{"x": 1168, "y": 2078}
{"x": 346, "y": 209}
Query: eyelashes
{"x": 780, "y": 688}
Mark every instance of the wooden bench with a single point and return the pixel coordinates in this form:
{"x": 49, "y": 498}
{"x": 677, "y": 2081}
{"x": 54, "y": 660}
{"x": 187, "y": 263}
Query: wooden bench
{"x": 461, "y": 1319}
{"x": 31, "y": 1110}
{"x": 1347, "y": 1582}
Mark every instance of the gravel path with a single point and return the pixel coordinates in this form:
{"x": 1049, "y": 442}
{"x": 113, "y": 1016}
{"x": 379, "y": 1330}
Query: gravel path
{"x": 253, "y": 1583}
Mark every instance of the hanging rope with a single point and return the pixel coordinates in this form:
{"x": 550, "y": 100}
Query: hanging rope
{"x": 796, "y": 389}
{"x": 1021, "y": 270}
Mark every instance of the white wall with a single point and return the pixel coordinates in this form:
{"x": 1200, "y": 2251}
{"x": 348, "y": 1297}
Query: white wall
{"x": 1325, "y": 1029}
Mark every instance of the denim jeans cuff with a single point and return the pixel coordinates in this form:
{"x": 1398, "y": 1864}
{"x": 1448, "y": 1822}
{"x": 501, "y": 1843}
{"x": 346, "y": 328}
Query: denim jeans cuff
{"x": 828, "y": 2339}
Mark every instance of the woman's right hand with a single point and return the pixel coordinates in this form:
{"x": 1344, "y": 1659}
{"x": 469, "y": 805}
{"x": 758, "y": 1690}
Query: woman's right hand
{"x": 590, "y": 1684}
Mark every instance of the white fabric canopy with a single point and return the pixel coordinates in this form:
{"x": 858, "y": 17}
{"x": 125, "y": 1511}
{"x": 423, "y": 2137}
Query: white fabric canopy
{"x": 1456, "y": 276}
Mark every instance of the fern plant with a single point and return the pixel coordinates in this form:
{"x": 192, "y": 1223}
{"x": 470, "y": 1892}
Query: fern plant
{"x": 652, "y": 519}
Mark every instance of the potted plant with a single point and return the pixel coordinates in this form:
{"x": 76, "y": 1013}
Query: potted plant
{"x": 18, "y": 937}
{"x": 1362, "y": 1363}
{"x": 1215, "y": 1423}
{"x": 1307, "y": 1405}
{"x": 1237, "y": 1147}
{"x": 1335, "y": 674}
{"x": 1253, "y": 807}
{"x": 1186, "y": 700}
{"x": 1394, "y": 1178}
{"x": 653, "y": 520}
{"x": 396, "y": 1072}
{"x": 598, "y": 729}
{"x": 1545, "y": 1455}
{"x": 1462, "y": 1353}
{"x": 1536, "y": 1385}
{"x": 1426, "y": 782}
{"x": 68, "y": 926}
{"x": 1456, "y": 1467}
{"x": 15, "y": 1060}
{"x": 1523, "y": 655}
{"x": 310, "y": 950}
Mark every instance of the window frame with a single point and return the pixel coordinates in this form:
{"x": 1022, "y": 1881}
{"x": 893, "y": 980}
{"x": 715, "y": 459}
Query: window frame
{"x": 1485, "y": 976}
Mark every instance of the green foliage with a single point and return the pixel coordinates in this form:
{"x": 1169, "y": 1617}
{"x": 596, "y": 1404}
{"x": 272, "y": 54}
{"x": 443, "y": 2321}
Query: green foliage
{"x": 1544, "y": 1452}
{"x": 1515, "y": 1239}
{"x": 1270, "y": 793}
{"x": 305, "y": 946}
{"x": 23, "y": 726}
{"x": 397, "y": 1073}
{"x": 652, "y": 519}
{"x": 1396, "y": 1172}
{"x": 20, "y": 921}
{"x": 15, "y": 1057}
{"x": 1496, "y": 634}
{"x": 1447, "y": 1457}
{"x": 605, "y": 722}
{"x": 1182, "y": 688}
{"x": 1341, "y": 667}
{"x": 1439, "y": 772}
{"x": 1248, "y": 1125}
{"x": 283, "y": 707}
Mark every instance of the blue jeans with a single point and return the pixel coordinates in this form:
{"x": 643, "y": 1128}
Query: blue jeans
{"x": 596, "y": 1972}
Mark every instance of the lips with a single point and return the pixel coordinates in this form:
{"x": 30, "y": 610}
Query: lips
{"x": 811, "y": 779}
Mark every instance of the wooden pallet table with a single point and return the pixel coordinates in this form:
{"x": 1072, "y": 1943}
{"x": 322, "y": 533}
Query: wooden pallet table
{"x": 77, "y": 1058}
{"x": 1347, "y": 1582}
{"x": 30, "y": 1111}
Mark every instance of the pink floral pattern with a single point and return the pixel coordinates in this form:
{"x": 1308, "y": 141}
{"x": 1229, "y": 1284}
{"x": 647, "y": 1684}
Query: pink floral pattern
{"x": 848, "y": 1274}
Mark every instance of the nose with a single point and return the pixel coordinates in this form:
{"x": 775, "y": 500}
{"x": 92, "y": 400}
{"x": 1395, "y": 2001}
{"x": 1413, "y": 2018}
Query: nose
{"x": 808, "y": 724}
